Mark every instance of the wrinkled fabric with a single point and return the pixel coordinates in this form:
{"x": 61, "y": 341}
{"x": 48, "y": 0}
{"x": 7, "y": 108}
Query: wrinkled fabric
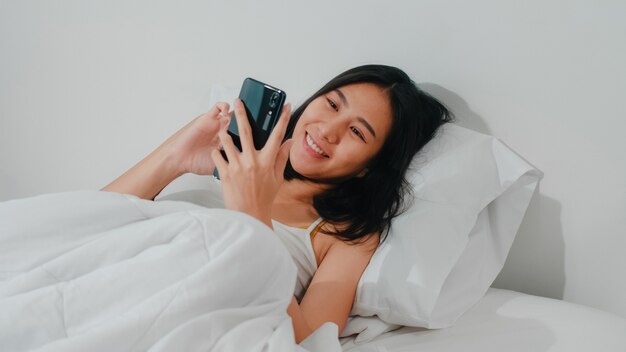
{"x": 101, "y": 271}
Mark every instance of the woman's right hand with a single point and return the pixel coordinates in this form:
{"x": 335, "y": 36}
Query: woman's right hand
{"x": 190, "y": 148}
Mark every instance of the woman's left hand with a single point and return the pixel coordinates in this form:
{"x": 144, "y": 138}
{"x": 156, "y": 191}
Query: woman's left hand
{"x": 251, "y": 178}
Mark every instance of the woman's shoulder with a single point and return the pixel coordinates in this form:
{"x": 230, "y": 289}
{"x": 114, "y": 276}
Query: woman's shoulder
{"x": 344, "y": 262}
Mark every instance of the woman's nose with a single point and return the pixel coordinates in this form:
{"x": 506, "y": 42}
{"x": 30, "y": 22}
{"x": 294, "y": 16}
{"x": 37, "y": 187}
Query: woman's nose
{"x": 329, "y": 131}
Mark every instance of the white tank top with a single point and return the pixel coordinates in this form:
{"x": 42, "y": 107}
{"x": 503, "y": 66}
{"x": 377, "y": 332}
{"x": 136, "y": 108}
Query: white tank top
{"x": 298, "y": 243}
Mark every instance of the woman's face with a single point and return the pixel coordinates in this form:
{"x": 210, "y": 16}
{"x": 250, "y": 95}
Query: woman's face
{"x": 340, "y": 132}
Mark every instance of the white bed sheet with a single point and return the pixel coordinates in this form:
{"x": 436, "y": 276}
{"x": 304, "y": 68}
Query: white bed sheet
{"x": 510, "y": 321}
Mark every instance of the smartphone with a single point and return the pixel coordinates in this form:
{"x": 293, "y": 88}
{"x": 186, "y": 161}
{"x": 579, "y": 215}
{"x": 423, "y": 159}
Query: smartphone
{"x": 263, "y": 104}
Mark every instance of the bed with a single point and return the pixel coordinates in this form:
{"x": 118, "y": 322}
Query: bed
{"x": 101, "y": 271}
{"x": 157, "y": 291}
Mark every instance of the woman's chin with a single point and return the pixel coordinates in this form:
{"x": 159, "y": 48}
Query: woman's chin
{"x": 303, "y": 170}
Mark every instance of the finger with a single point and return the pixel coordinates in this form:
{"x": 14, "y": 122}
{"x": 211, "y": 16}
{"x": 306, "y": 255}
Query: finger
{"x": 243, "y": 125}
{"x": 224, "y": 122}
{"x": 278, "y": 133}
{"x": 223, "y": 127}
{"x": 229, "y": 147}
{"x": 281, "y": 159}
{"x": 223, "y": 109}
{"x": 217, "y": 109}
{"x": 220, "y": 163}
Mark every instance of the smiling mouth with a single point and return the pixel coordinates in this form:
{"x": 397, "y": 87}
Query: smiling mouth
{"x": 315, "y": 147}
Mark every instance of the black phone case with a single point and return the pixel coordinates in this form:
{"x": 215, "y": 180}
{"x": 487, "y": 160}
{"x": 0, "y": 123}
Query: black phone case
{"x": 263, "y": 106}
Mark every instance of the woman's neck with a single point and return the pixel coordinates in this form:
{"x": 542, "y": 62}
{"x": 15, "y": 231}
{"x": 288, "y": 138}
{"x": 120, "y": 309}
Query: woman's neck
{"x": 293, "y": 204}
{"x": 298, "y": 191}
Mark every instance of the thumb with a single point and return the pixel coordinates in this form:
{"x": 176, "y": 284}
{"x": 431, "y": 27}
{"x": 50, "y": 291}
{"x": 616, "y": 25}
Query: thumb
{"x": 282, "y": 157}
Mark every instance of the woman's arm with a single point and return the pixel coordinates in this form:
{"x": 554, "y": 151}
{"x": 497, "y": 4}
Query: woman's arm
{"x": 330, "y": 295}
{"x": 301, "y": 327}
{"x": 148, "y": 178}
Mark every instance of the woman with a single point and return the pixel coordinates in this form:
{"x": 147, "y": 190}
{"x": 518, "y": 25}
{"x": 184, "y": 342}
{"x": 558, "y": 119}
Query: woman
{"x": 341, "y": 157}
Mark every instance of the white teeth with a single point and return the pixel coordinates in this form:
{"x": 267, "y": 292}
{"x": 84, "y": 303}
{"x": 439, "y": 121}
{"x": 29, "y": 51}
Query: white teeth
{"x": 314, "y": 146}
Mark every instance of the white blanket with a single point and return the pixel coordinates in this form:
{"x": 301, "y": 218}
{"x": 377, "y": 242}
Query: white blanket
{"x": 101, "y": 271}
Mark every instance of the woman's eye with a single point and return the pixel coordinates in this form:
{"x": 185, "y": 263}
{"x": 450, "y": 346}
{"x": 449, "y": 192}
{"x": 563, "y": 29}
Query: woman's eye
{"x": 332, "y": 104}
{"x": 357, "y": 133}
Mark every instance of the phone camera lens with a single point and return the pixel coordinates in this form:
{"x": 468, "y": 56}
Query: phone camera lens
{"x": 274, "y": 100}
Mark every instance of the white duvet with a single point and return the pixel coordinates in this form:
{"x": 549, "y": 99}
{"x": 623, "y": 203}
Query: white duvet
{"x": 101, "y": 271}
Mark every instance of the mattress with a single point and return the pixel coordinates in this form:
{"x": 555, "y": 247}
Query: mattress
{"x": 505, "y": 320}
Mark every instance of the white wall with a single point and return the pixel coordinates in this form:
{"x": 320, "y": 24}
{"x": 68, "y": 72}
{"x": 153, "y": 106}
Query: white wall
{"x": 88, "y": 88}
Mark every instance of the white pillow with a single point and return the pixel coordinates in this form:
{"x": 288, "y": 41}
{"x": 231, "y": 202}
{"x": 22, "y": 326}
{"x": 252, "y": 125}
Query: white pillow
{"x": 471, "y": 192}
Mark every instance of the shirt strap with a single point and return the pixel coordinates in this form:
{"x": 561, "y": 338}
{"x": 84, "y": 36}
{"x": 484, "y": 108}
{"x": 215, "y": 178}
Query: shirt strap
{"x": 317, "y": 228}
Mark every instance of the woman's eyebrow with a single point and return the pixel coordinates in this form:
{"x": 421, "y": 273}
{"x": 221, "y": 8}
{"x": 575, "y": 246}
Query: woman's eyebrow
{"x": 342, "y": 97}
{"x": 367, "y": 125}
{"x": 361, "y": 119}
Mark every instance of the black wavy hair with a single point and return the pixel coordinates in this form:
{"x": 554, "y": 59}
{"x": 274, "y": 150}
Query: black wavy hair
{"x": 365, "y": 205}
